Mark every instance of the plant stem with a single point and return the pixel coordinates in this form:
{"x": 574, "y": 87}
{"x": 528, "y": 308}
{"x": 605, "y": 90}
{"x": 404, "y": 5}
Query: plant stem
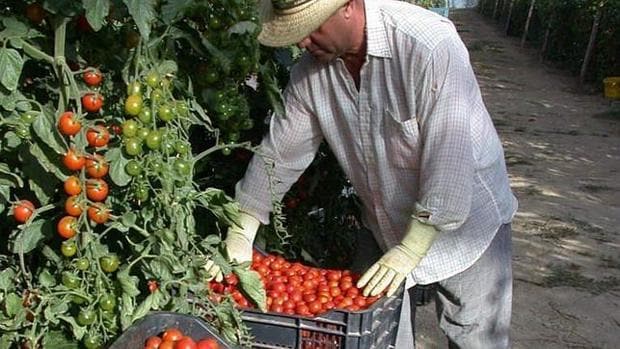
{"x": 60, "y": 34}
{"x": 246, "y": 145}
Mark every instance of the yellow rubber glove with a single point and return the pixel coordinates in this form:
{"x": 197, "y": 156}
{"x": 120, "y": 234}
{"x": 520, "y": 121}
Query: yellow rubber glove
{"x": 390, "y": 271}
{"x": 239, "y": 241}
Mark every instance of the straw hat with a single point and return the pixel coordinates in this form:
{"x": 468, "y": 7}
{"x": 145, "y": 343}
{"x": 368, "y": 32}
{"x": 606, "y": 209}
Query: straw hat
{"x": 286, "y": 22}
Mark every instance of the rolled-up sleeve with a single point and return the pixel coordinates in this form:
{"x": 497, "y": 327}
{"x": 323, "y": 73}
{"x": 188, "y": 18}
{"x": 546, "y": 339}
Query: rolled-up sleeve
{"x": 285, "y": 152}
{"x": 447, "y": 85}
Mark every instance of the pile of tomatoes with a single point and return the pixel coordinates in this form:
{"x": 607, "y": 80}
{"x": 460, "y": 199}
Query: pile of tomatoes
{"x": 297, "y": 289}
{"x": 173, "y": 338}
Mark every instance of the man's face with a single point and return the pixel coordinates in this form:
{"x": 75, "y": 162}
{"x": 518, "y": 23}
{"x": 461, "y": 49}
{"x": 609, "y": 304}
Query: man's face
{"x": 330, "y": 40}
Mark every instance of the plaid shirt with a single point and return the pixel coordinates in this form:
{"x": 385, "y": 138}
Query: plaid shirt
{"x": 415, "y": 139}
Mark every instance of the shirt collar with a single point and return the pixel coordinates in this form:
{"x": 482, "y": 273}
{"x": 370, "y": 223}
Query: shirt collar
{"x": 376, "y": 33}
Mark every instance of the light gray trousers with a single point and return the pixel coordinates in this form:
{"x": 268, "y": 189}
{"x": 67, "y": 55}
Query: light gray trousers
{"x": 473, "y": 307}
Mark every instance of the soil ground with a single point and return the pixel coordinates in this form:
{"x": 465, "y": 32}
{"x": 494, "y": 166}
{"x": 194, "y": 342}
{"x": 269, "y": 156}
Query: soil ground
{"x": 563, "y": 154}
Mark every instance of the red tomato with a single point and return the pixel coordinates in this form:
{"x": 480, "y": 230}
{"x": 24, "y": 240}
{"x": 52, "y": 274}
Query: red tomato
{"x": 92, "y": 102}
{"x": 153, "y": 286}
{"x": 172, "y": 334}
{"x": 97, "y": 166}
{"x": 73, "y": 206}
{"x": 68, "y": 124}
{"x": 98, "y": 213}
{"x": 166, "y": 345}
{"x": 67, "y": 227}
{"x": 185, "y": 343}
{"x": 22, "y": 210}
{"x": 72, "y": 186}
{"x": 73, "y": 161}
{"x": 152, "y": 342}
{"x": 96, "y": 190}
{"x": 98, "y": 136}
{"x": 92, "y": 77}
{"x": 209, "y": 343}
{"x": 35, "y": 13}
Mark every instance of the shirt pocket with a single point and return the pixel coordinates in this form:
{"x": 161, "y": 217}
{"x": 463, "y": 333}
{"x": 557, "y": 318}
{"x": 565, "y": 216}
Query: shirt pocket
{"x": 402, "y": 141}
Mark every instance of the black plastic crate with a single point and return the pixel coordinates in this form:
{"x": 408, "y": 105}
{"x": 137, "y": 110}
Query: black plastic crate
{"x": 157, "y": 322}
{"x": 370, "y": 328}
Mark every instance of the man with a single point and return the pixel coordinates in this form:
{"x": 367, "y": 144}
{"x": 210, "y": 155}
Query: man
{"x": 389, "y": 86}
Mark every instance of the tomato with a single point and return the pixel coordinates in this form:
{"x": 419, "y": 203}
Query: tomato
{"x": 110, "y": 263}
{"x": 86, "y": 317}
{"x": 92, "y": 102}
{"x": 172, "y": 334}
{"x": 22, "y": 131}
{"x": 92, "y": 77}
{"x": 73, "y": 206}
{"x": 35, "y": 12}
{"x": 29, "y": 117}
{"x": 181, "y": 108}
{"x": 133, "y": 146}
{"x": 167, "y": 146}
{"x": 68, "y": 124}
{"x": 134, "y": 88}
{"x": 141, "y": 193}
{"x": 115, "y": 129}
{"x": 72, "y": 186}
{"x": 181, "y": 147}
{"x": 153, "y": 139}
{"x": 214, "y": 22}
{"x": 82, "y": 264}
{"x": 68, "y": 248}
{"x": 157, "y": 95}
{"x": 208, "y": 343}
{"x": 132, "y": 39}
{"x": 185, "y": 343}
{"x": 92, "y": 342}
{"x": 98, "y": 213}
{"x": 153, "y": 286}
{"x": 96, "y": 190}
{"x": 247, "y": 124}
{"x": 133, "y": 104}
{"x": 165, "y": 112}
{"x": 130, "y": 128}
{"x": 145, "y": 115}
{"x": 70, "y": 280}
{"x": 107, "y": 302}
{"x": 166, "y": 345}
{"x": 142, "y": 133}
{"x": 152, "y": 79}
{"x": 183, "y": 167}
{"x": 73, "y": 160}
{"x": 22, "y": 210}
{"x": 152, "y": 342}
{"x": 133, "y": 168}
{"x": 67, "y": 227}
{"x": 98, "y": 136}
{"x": 97, "y": 166}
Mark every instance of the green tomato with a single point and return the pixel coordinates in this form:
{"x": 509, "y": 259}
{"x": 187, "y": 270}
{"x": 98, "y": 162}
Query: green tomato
{"x": 70, "y": 280}
{"x": 23, "y": 131}
{"x": 68, "y": 248}
{"x": 233, "y": 137}
{"x": 107, "y": 302}
{"x": 156, "y": 166}
{"x": 82, "y": 264}
{"x": 141, "y": 193}
{"x": 133, "y": 168}
{"x": 29, "y": 116}
{"x": 181, "y": 147}
{"x": 145, "y": 115}
{"x": 247, "y": 124}
{"x": 133, "y": 146}
{"x": 92, "y": 342}
{"x": 182, "y": 167}
{"x": 153, "y": 139}
{"x": 167, "y": 147}
{"x": 157, "y": 95}
{"x": 214, "y": 23}
{"x": 142, "y": 133}
{"x": 134, "y": 88}
{"x": 211, "y": 77}
{"x": 110, "y": 263}
{"x": 226, "y": 151}
{"x": 130, "y": 128}
{"x": 133, "y": 105}
{"x": 152, "y": 79}
{"x": 86, "y": 317}
{"x": 180, "y": 107}
{"x": 165, "y": 113}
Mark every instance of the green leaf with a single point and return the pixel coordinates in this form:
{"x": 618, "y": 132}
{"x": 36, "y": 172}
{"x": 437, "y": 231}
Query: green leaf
{"x": 128, "y": 282}
{"x": 10, "y": 176}
{"x": 96, "y": 12}
{"x": 45, "y": 128}
{"x": 11, "y": 140}
{"x": 243, "y": 27}
{"x": 52, "y": 312}
{"x": 143, "y": 13}
{"x": 221, "y": 205}
{"x": 12, "y": 28}
{"x": 168, "y": 67}
{"x": 127, "y": 310}
{"x": 252, "y": 286}
{"x": 7, "y": 280}
{"x": 174, "y": 9}
{"x": 160, "y": 269}
{"x": 6, "y": 340}
{"x": 52, "y": 256}
{"x": 28, "y": 238}
{"x": 37, "y": 166}
{"x": 58, "y": 340}
{"x": 46, "y": 279}
{"x": 78, "y": 331}
{"x": 117, "y": 162}
{"x": 147, "y": 304}
{"x": 13, "y": 304}
{"x": 11, "y": 62}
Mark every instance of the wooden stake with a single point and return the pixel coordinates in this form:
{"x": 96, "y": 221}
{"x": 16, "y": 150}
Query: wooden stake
{"x": 527, "y": 23}
{"x": 495, "y": 9}
{"x": 590, "y": 49}
{"x": 510, "y": 7}
{"x": 543, "y": 49}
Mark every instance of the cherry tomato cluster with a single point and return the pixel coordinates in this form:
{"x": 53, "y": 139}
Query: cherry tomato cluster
{"x": 297, "y": 289}
{"x": 173, "y": 338}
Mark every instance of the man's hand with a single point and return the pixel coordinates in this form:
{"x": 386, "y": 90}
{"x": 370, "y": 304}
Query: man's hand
{"x": 391, "y": 269}
{"x": 239, "y": 241}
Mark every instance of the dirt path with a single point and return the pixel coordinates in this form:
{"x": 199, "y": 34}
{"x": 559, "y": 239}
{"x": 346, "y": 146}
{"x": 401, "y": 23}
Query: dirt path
{"x": 563, "y": 155}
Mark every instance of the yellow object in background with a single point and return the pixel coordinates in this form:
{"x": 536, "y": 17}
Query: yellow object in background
{"x": 612, "y": 87}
